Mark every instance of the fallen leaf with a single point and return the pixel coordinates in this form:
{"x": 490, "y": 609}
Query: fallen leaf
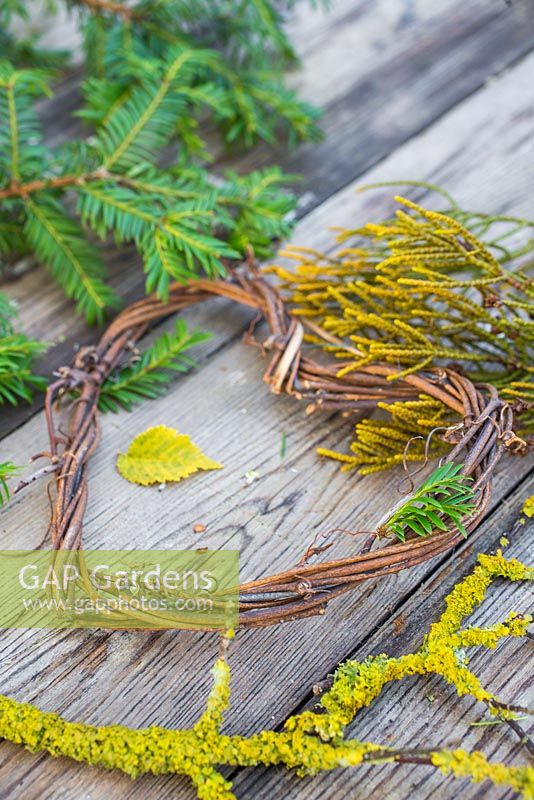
{"x": 162, "y": 454}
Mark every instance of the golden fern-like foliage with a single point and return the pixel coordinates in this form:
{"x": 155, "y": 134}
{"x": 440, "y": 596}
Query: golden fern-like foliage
{"x": 421, "y": 290}
{"x": 380, "y": 444}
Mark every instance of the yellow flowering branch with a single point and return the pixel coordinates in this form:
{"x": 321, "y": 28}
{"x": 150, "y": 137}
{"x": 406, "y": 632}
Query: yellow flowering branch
{"x": 312, "y": 741}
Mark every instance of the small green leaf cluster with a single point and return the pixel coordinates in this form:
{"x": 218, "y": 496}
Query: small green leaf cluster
{"x": 7, "y": 470}
{"x": 147, "y": 377}
{"x": 154, "y": 72}
{"x": 443, "y": 498}
{"x": 17, "y": 354}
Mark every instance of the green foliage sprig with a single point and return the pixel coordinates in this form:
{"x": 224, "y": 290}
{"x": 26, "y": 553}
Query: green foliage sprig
{"x": 154, "y": 71}
{"x": 149, "y": 376}
{"x": 7, "y": 471}
{"x": 17, "y": 355}
{"x": 445, "y": 496}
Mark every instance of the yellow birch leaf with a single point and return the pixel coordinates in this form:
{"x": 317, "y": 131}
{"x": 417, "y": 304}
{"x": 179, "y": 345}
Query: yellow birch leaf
{"x": 162, "y": 454}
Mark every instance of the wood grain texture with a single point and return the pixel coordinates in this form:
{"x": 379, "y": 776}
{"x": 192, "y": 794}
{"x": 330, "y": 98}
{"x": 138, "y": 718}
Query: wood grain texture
{"x": 141, "y": 679}
{"x": 425, "y": 712}
{"x": 270, "y": 672}
{"x": 383, "y": 71}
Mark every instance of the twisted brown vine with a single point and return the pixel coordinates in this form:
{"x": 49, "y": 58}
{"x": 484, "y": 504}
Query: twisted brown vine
{"x": 483, "y": 434}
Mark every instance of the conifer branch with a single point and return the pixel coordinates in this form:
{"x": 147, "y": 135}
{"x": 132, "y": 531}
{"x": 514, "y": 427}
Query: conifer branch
{"x": 141, "y": 127}
{"x": 17, "y": 354}
{"x": 21, "y": 150}
{"x": 76, "y": 265}
{"x": 149, "y": 376}
{"x": 425, "y": 289}
{"x": 153, "y": 66}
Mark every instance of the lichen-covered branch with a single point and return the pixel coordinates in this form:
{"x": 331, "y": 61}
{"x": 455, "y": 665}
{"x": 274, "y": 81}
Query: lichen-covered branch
{"x": 310, "y": 742}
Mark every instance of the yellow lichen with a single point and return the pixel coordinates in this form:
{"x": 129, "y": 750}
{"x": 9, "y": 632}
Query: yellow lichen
{"x": 476, "y": 767}
{"x": 528, "y": 506}
{"x": 312, "y": 741}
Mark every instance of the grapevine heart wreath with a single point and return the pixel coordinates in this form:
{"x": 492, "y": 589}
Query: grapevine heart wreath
{"x": 480, "y": 432}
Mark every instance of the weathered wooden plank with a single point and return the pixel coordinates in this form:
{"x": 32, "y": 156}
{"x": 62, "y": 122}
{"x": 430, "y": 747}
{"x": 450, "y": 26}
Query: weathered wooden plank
{"x": 383, "y": 71}
{"x": 405, "y": 90}
{"x": 271, "y": 521}
{"x": 102, "y": 659}
{"x": 426, "y": 712}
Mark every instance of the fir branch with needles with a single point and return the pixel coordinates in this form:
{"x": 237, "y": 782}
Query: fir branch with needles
{"x": 154, "y": 72}
{"x": 444, "y": 497}
{"x": 18, "y": 382}
{"x": 248, "y": 39}
{"x": 148, "y": 376}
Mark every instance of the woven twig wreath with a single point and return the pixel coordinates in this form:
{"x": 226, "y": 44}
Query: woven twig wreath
{"x": 483, "y": 434}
